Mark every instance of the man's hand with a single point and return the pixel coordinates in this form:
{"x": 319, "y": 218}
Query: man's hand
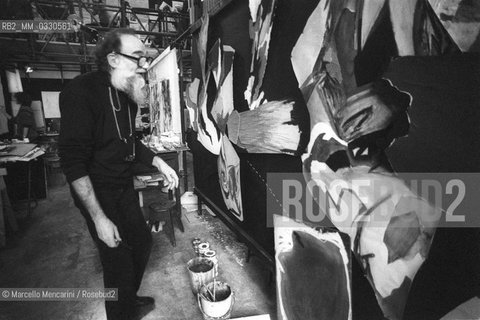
{"x": 171, "y": 178}
{"x": 107, "y": 231}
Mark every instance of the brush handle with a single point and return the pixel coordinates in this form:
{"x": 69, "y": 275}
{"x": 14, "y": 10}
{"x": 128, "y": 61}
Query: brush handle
{"x": 233, "y": 125}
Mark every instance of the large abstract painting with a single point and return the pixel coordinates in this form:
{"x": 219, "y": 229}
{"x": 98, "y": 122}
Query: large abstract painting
{"x": 355, "y": 116}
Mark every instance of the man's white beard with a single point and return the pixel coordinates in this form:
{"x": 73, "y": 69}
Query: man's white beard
{"x": 131, "y": 84}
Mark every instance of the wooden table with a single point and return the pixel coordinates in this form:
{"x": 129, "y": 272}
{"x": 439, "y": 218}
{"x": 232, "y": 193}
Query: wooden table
{"x": 12, "y": 156}
{"x": 171, "y": 158}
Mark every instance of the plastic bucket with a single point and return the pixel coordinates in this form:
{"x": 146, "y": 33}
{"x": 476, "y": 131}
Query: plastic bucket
{"x": 216, "y": 300}
{"x": 201, "y": 271}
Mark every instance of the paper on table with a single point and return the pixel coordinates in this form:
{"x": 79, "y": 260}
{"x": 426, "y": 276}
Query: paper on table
{"x": 21, "y": 149}
{"x": 37, "y": 152}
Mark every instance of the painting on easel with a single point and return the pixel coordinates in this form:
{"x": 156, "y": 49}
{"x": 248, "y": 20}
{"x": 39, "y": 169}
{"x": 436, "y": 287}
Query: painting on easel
{"x": 160, "y": 107}
{"x": 164, "y": 99}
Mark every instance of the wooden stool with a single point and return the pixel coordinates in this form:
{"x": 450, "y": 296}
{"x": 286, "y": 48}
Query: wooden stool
{"x": 165, "y": 211}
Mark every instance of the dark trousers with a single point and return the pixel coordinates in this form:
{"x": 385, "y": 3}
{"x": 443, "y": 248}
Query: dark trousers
{"x": 123, "y": 267}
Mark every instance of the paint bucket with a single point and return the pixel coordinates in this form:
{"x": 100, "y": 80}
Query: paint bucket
{"x": 201, "y": 271}
{"x": 216, "y": 300}
{"x": 203, "y": 247}
{"x": 212, "y": 255}
{"x": 196, "y": 242}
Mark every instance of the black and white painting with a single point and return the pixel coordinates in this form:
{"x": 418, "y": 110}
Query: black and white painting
{"x": 164, "y": 94}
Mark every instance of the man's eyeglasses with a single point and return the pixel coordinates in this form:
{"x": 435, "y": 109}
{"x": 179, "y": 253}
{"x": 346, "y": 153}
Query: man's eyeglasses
{"x": 142, "y": 62}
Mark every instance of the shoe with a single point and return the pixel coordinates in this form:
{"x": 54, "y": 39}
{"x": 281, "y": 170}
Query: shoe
{"x": 143, "y": 301}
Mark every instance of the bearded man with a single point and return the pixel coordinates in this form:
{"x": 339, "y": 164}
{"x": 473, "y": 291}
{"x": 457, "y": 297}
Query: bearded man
{"x": 97, "y": 148}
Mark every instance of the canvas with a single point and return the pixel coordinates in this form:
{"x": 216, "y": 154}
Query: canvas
{"x": 355, "y": 115}
{"x": 164, "y": 95}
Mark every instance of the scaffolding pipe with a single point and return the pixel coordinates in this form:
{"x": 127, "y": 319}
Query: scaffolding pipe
{"x": 123, "y": 14}
{"x": 50, "y": 62}
{"x": 151, "y": 33}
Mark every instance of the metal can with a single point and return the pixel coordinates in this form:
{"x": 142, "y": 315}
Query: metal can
{"x": 196, "y": 242}
{"x": 203, "y": 247}
{"x": 212, "y": 256}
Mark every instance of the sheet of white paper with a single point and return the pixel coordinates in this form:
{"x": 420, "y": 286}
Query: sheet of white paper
{"x": 50, "y": 104}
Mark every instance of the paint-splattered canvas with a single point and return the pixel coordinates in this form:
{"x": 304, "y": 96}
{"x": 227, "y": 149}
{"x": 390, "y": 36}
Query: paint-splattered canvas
{"x": 164, "y": 94}
{"x": 160, "y": 107}
{"x": 166, "y": 106}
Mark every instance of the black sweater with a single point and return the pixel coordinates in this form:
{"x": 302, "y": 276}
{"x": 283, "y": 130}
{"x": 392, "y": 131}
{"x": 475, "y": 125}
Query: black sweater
{"x": 89, "y": 142}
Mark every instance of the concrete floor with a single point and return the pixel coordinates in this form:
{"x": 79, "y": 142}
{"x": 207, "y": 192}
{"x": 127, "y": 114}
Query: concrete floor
{"x": 54, "y": 250}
